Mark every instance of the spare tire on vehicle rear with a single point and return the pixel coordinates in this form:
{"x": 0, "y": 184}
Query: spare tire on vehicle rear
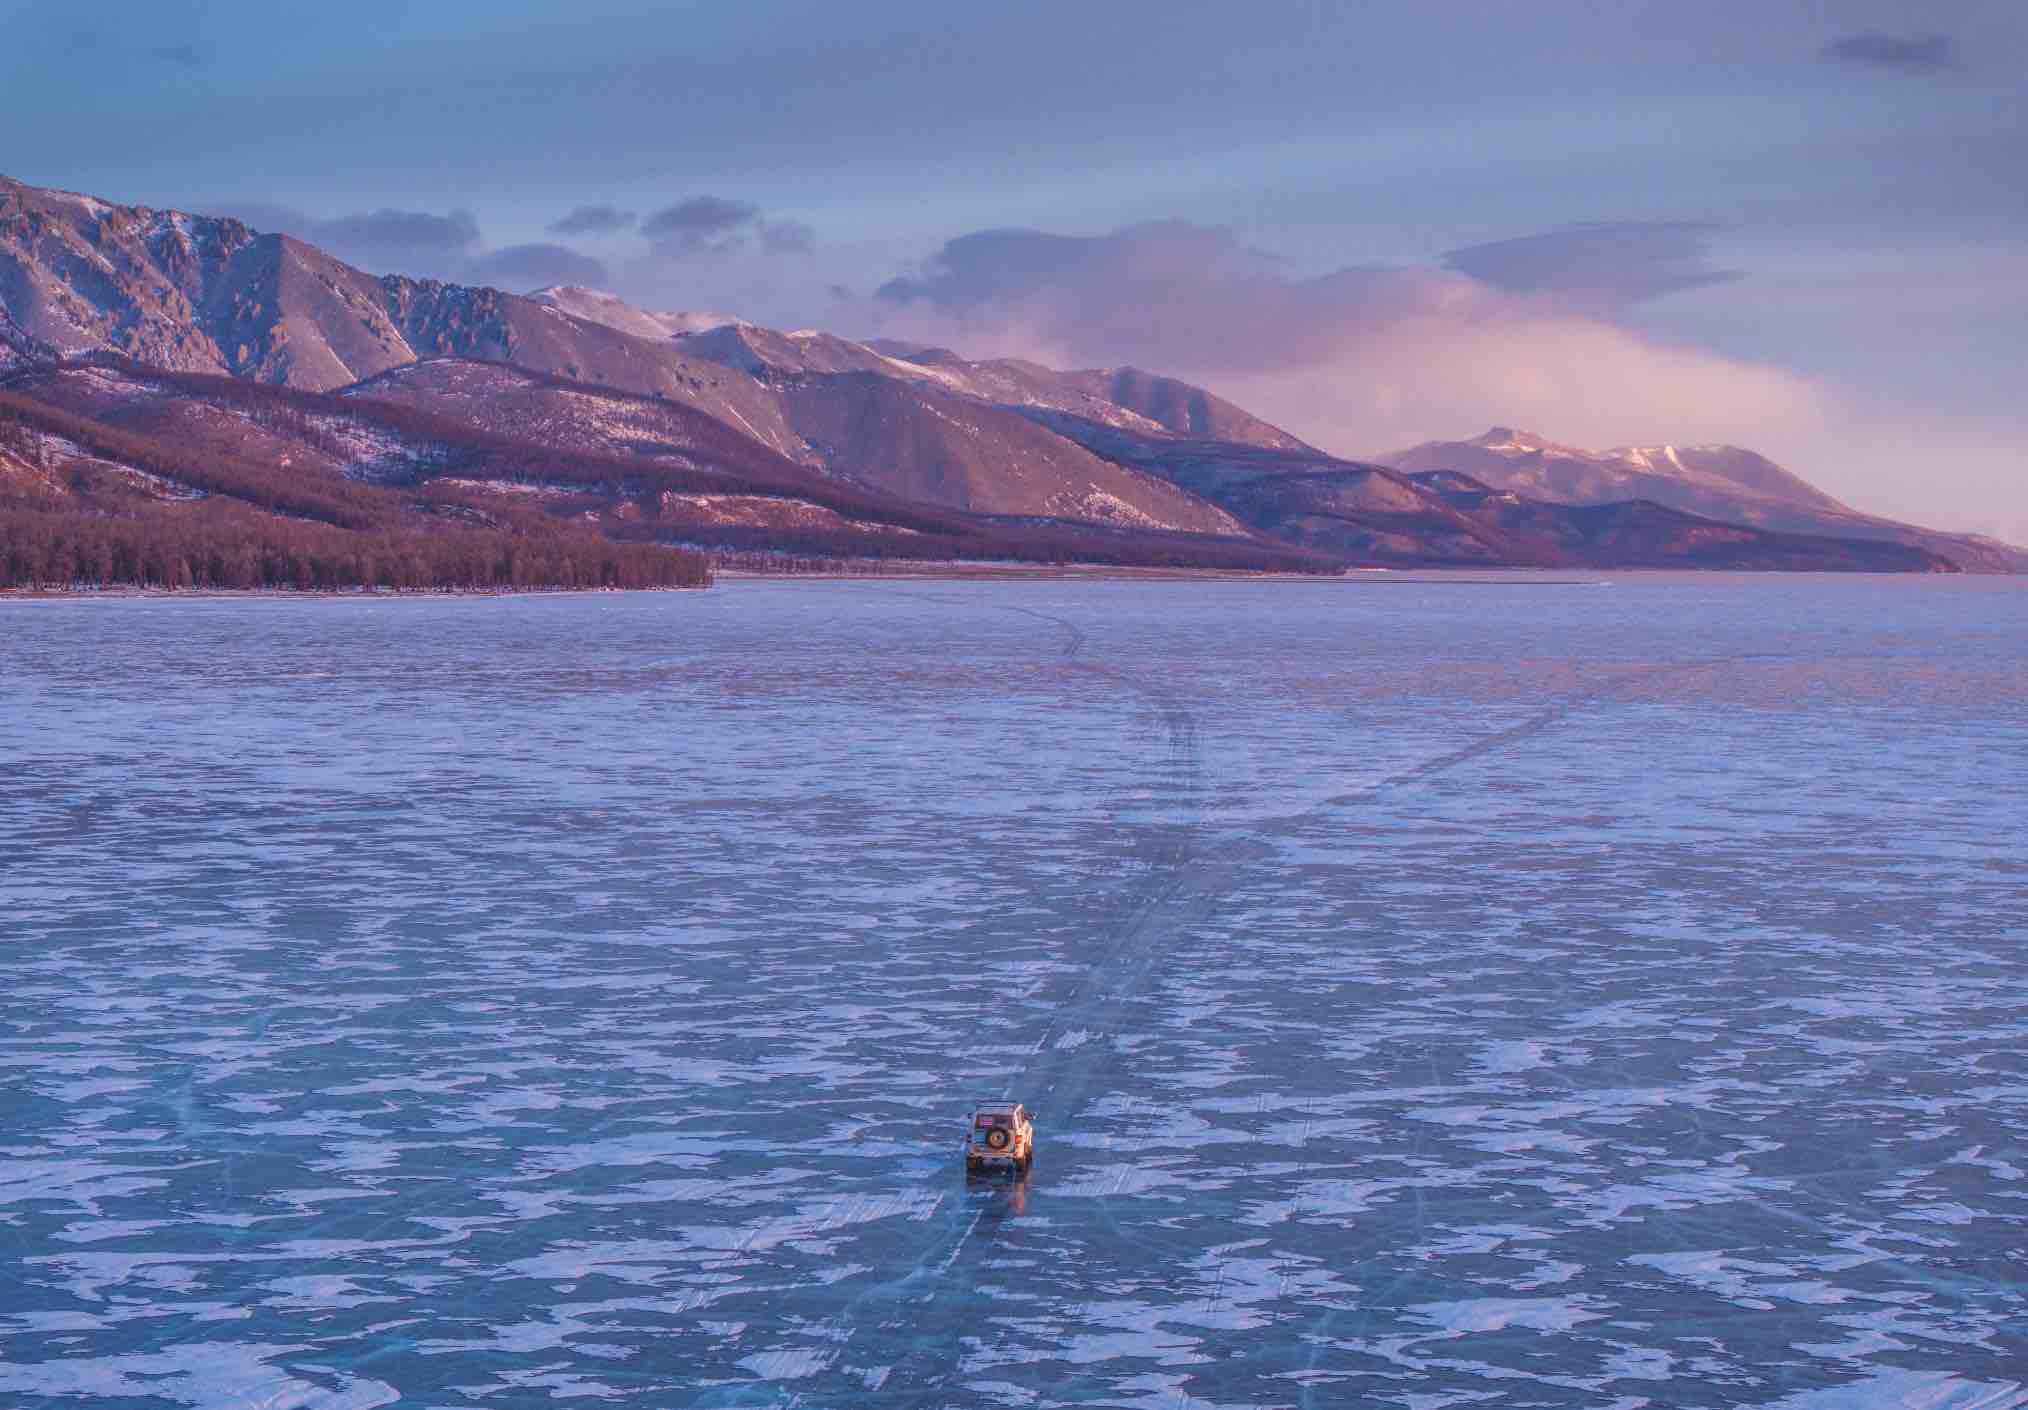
{"x": 997, "y": 1138}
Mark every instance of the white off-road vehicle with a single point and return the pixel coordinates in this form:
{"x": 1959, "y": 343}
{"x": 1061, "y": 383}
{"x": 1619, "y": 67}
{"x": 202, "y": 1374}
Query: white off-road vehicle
{"x": 1002, "y": 1137}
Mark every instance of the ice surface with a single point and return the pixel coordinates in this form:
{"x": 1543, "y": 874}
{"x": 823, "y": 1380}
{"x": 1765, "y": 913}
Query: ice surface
{"x": 1452, "y": 993}
{"x": 1909, "y": 1390}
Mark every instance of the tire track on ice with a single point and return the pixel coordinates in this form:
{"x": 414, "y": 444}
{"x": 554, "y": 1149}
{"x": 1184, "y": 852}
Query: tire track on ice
{"x": 930, "y": 1307}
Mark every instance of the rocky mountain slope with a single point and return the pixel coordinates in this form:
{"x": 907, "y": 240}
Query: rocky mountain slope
{"x": 393, "y": 433}
{"x": 1716, "y": 481}
{"x": 890, "y": 438}
{"x": 103, "y": 435}
{"x": 205, "y": 294}
{"x": 1120, "y": 395}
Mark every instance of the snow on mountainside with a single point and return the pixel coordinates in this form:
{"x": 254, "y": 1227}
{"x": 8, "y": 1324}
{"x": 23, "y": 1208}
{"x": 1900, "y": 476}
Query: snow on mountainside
{"x": 763, "y": 352}
{"x": 598, "y": 306}
{"x": 15, "y": 344}
{"x": 186, "y": 292}
{"x": 1125, "y": 397}
{"x": 1531, "y": 464}
{"x": 1718, "y": 481}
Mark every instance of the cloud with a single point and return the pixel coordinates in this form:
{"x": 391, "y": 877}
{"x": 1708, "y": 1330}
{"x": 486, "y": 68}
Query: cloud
{"x": 389, "y": 236}
{"x": 1925, "y": 53}
{"x": 1159, "y": 294}
{"x": 701, "y": 225}
{"x": 709, "y": 225}
{"x": 594, "y": 220}
{"x": 1604, "y": 265}
{"x": 59, "y": 28}
{"x": 269, "y": 219}
{"x": 382, "y": 241}
{"x": 423, "y": 244}
{"x": 990, "y": 266}
{"x": 1358, "y": 360}
{"x": 521, "y": 267}
{"x": 787, "y": 237}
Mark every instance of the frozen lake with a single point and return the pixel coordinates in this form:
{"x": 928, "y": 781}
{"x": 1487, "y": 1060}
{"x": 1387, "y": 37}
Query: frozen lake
{"x": 1440, "y": 993}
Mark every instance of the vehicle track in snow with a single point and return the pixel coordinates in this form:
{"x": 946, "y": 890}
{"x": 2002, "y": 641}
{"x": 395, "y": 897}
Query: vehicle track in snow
{"x": 929, "y": 1308}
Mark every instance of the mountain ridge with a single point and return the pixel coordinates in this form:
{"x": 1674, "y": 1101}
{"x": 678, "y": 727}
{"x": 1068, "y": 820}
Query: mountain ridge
{"x": 578, "y": 372}
{"x": 1373, "y": 513}
{"x": 1725, "y": 482}
{"x": 203, "y": 294}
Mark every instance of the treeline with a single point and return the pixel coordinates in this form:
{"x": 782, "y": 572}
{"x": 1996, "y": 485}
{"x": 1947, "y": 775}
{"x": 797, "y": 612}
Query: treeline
{"x": 785, "y": 565}
{"x": 217, "y": 545}
{"x": 1065, "y": 544}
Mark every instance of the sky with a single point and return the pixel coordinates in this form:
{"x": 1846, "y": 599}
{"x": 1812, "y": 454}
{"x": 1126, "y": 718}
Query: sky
{"x": 1795, "y": 227}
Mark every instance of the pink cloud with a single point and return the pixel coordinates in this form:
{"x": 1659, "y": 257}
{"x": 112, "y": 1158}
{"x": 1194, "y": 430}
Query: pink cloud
{"x": 1360, "y": 360}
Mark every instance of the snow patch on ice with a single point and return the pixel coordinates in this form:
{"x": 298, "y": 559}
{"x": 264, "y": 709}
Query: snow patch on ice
{"x": 1492, "y": 1314}
{"x": 214, "y": 1375}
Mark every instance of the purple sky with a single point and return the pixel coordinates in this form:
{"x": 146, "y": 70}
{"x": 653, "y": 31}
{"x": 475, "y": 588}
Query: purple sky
{"x": 1798, "y": 228}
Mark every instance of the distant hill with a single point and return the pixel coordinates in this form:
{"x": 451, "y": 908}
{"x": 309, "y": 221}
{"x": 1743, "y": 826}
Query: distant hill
{"x": 1717, "y": 481}
{"x": 1373, "y": 514}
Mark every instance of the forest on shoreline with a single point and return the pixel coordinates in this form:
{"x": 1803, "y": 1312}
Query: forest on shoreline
{"x": 226, "y": 523}
{"x": 223, "y": 548}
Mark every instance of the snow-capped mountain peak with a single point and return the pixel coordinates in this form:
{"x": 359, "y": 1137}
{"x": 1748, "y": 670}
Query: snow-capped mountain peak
{"x": 1506, "y": 440}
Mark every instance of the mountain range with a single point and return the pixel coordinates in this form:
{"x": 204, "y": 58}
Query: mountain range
{"x": 176, "y": 331}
